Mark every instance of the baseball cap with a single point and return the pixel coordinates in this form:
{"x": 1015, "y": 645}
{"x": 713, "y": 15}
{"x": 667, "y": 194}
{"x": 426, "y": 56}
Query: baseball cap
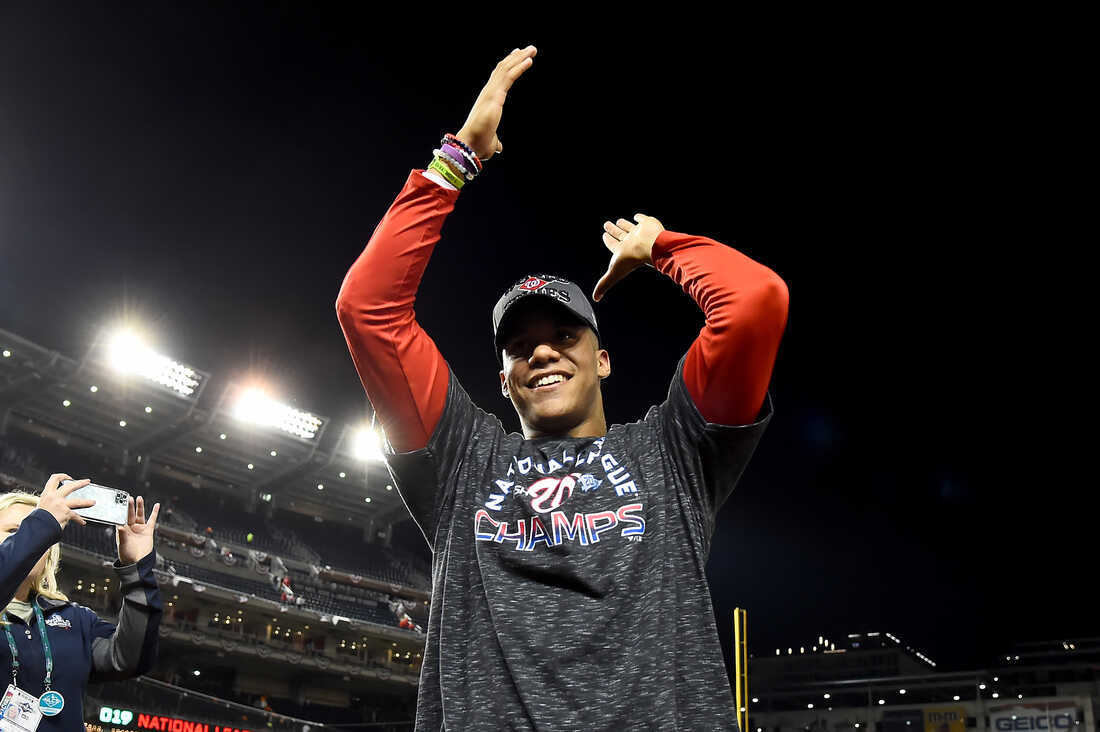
{"x": 558, "y": 289}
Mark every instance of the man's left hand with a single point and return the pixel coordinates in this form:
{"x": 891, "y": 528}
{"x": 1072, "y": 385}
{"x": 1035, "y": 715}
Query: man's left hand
{"x": 631, "y": 246}
{"x": 135, "y": 539}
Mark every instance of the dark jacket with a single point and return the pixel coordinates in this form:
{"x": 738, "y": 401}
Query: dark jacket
{"x": 85, "y": 647}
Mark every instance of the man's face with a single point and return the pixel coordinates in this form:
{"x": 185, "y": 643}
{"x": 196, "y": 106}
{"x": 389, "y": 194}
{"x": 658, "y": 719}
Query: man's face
{"x": 544, "y": 340}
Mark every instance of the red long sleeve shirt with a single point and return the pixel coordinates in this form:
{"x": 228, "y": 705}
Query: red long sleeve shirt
{"x": 726, "y": 370}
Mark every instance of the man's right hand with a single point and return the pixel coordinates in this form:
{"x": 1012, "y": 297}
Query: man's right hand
{"x": 56, "y": 499}
{"x": 480, "y": 128}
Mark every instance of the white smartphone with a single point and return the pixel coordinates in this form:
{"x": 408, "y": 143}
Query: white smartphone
{"x": 110, "y": 504}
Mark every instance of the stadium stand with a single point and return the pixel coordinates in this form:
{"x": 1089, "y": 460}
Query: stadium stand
{"x": 329, "y": 652}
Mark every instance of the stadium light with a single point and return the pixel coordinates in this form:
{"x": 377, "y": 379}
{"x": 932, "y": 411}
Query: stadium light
{"x": 367, "y": 445}
{"x": 128, "y": 355}
{"x": 256, "y": 407}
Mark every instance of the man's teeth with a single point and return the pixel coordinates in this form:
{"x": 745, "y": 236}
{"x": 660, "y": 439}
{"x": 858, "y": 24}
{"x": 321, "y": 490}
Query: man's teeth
{"x": 552, "y": 379}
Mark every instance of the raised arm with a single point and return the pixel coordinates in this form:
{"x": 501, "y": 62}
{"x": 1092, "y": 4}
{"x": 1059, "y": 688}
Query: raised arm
{"x": 130, "y": 648}
{"x": 402, "y": 371}
{"x": 729, "y": 365}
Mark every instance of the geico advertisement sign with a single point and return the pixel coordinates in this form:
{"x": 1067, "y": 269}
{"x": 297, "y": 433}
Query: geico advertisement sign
{"x": 1053, "y": 716}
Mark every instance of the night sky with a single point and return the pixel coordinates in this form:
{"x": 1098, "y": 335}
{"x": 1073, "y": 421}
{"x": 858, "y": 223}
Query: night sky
{"x": 211, "y": 173}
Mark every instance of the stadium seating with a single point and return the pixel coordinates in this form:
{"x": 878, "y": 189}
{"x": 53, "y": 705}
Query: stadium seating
{"x": 341, "y": 547}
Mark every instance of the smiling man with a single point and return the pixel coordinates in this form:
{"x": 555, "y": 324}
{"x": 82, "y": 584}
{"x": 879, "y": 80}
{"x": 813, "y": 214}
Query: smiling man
{"x": 569, "y": 586}
{"x": 562, "y": 321}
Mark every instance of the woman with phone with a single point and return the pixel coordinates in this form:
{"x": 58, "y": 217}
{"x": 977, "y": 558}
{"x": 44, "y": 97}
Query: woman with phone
{"x": 54, "y": 647}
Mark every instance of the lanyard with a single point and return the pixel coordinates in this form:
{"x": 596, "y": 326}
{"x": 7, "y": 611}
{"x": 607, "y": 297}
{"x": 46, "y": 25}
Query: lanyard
{"x": 45, "y": 647}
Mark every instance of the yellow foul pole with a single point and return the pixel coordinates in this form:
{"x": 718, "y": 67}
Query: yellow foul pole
{"x": 741, "y": 667}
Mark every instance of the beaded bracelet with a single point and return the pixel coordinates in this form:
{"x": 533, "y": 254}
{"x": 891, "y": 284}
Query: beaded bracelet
{"x": 444, "y": 170}
{"x": 453, "y": 139}
{"x": 464, "y": 147}
{"x": 461, "y": 157}
{"x": 457, "y": 157}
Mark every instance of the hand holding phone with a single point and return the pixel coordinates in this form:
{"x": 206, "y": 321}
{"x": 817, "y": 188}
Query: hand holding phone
{"x": 103, "y": 505}
{"x": 58, "y": 499}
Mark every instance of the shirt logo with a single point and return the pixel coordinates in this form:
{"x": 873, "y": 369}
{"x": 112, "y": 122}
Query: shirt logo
{"x": 56, "y": 621}
{"x": 590, "y": 483}
{"x": 546, "y": 494}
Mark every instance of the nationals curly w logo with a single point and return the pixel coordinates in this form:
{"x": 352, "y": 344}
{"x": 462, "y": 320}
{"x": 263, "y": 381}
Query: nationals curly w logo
{"x": 533, "y": 283}
{"x": 546, "y": 494}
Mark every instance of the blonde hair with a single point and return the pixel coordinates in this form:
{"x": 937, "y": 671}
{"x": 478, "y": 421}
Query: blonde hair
{"x": 46, "y": 585}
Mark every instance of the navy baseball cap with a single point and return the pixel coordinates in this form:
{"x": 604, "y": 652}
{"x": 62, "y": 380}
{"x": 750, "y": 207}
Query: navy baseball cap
{"x": 557, "y": 289}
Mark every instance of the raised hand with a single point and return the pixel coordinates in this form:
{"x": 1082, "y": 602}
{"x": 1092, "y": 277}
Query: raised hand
{"x": 480, "y": 129}
{"x": 631, "y": 246}
{"x": 135, "y": 539}
{"x": 55, "y": 499}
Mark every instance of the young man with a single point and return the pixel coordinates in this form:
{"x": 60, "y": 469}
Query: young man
{"x": 569, "y": 589}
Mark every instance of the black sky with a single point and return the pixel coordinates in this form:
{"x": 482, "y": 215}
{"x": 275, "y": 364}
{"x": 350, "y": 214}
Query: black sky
{"x": 211, "y": 172}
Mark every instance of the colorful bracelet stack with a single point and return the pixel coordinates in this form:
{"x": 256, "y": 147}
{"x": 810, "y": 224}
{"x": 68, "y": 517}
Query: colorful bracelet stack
{"x": 465, "y": 150}
{"x": 454, "y": 155}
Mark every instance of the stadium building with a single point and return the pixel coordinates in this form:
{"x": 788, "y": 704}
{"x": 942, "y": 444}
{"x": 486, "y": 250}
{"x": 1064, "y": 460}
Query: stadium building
{"x": 874, "y": 681}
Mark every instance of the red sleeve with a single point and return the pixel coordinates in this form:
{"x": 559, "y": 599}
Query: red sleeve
{"x": 402, "y": 371}
{"x": 728, "y": 367}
